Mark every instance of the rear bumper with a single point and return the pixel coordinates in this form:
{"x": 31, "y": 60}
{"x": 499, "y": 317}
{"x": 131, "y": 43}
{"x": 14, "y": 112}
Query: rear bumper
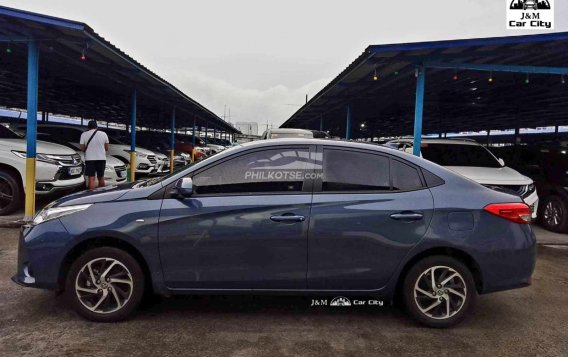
{"x": 510, "y": 262}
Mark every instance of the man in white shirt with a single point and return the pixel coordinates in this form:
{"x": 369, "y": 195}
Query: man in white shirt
{"x": 95, "y": 145}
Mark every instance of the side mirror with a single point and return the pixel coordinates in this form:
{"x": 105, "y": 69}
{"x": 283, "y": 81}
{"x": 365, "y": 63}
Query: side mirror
{"x": 502, "y": 162}
{"x": 184, "y": 186}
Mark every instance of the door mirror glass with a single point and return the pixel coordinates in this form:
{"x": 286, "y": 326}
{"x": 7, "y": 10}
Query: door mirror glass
{"x": 502, "y": 162}
{"x": 184, "y": 186}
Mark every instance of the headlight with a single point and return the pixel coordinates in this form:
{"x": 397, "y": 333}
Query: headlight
{"x": 50, "y": 213}
{"x": 110, "y": 168}
{"x": 39, "y": 157}
{"x": 185, "y": 155}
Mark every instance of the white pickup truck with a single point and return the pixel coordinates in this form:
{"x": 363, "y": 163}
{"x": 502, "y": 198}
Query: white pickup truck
{"x": 58, "y": 169}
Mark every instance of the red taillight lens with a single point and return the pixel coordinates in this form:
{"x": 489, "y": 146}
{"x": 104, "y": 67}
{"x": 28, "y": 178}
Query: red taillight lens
{"x": 514, "y": 212}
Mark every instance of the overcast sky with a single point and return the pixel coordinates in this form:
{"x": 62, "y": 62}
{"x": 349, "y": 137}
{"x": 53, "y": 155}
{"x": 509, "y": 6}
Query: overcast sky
{"x": 261, "y": 57}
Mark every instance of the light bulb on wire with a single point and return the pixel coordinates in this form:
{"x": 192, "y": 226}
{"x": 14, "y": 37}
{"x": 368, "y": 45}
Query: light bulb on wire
{"x": 562, "y": 79}
{"x": 375, "y": 76}
{"x": 83, "y": 57}
{"x": 527, "y": 80}
{"x": 490, "y": 80}
{"x": 455, "y": 77}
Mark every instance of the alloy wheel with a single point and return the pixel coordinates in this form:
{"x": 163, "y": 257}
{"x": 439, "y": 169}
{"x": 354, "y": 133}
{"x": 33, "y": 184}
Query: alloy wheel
{"x": 104, "y": 285}
{"x": 552, "y": 213}
{"x": 440, "y": 292}
{"x": 6, "y": 193}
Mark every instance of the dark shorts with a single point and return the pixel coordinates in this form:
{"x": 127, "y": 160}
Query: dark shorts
{"x": 95, "y": 168}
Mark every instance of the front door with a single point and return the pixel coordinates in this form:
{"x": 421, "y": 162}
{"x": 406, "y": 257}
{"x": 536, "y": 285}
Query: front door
{"x": 368, "y": 211}
{"x": 245, "y": 226}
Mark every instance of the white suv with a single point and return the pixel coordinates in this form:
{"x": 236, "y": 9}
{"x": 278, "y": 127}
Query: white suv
{"x": 58, "y": 169}
{"x": 146, "y": 162}
{"x": 475, "y": 162}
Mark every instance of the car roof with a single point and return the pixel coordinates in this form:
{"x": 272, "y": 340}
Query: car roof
{"x": 438, "y": 141}
{"x": 289, "y": 130}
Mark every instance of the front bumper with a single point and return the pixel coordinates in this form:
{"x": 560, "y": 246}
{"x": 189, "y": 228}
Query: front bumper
{"x": 40, "y": 254}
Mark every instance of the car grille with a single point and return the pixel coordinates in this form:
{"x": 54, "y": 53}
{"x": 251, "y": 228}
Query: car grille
{"x": 120, "y": 168}
{"x": 68, "y": 160}
{"x": 519, "y": 190}
{"x": 152, "y": 159}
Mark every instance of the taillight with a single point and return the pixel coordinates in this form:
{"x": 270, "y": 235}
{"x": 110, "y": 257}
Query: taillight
{"x": 514, "y": 212}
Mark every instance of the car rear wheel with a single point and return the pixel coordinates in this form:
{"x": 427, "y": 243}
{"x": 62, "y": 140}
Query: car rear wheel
{"x": 439, "y": 291}
{"x": 105, "y": 284}
{"x": 554, "y": 214}
{"x": 10, "y": 193}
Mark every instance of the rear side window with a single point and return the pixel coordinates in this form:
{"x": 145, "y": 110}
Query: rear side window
{"x": 404, "y": 177}
{"x": 354, "y": 171}
{"x": 277, "y": 170}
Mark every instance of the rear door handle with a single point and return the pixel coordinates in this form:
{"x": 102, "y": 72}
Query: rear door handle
{"x": 288, "y": 218}
{"x": 407, "y": 216}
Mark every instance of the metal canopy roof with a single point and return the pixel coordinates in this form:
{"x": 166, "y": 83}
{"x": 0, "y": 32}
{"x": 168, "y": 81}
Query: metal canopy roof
{"x": 99, "y": 87}
{"x": 470, "y": 103}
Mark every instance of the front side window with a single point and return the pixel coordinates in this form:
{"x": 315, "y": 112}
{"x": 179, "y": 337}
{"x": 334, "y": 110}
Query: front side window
{"x": 275, "y": 170}
{"x": 354, "y": 171}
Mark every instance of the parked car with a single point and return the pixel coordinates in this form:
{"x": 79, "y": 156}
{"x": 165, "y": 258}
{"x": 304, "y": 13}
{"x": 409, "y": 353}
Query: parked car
{"x": 533, "y": 4}
{"x": 160, "y": 143}
{"x": 146, "y": 162}
{"x": 184, "y": 143}
{"x": 115, "y": 170}
{"x": 547, "y": 165}
{"x": 381, "y": 223}
{"x": 287, "y": 133}
{"x": 58, "y": 170}
{"x": 475, "y": 162}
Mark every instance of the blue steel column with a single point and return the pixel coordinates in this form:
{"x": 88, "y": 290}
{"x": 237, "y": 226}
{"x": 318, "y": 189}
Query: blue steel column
{"x": 31, "y": 135}
{"x": 133, "y": 138}
{"x": 419, "y": 110}
{"x": 172, "y": 140}
{"x": 348, "y": 127}
{"x": 193, "y": 143}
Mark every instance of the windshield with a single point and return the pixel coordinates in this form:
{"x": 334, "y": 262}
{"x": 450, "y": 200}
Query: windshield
{"x": 6, "y": 133}
{"x": 115, "y": 141}
{"x": 459, "y": 155}
{"x": 155, "y": 180}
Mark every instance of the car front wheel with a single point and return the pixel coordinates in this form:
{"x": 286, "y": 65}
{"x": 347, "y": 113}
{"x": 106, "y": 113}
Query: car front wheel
{"x": 554, "y": 216}
{"x": 439, "y": 291}
{"x": 105, "y": 284}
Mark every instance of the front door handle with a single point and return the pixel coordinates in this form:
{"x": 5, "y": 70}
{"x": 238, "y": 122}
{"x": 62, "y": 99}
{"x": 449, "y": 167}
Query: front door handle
{"x": 291, "y": 218}
{"x": 407, "y": 216}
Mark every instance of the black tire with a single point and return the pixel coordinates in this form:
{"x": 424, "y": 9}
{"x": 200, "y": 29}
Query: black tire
{"x": 115, "y": 313}
{"x": 11, "y": 193}
{"x": 558, "y": 224}
{"x": 461, "y": 307}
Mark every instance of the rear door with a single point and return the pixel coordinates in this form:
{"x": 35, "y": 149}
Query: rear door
{"x": 245, "y": 226}
{"x": 368, "y": 211}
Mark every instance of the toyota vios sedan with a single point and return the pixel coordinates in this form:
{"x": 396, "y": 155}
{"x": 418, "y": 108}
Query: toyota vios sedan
{"x": 300, "y": 216}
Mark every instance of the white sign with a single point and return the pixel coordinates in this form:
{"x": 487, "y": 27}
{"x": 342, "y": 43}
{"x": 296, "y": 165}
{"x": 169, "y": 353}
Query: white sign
{"x": 530, "y": 14}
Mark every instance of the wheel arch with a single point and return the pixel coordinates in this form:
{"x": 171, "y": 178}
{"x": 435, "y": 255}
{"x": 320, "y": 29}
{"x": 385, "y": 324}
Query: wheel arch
{"x": 14, "y": 171}
{"x": 97, "y": 242}
{"x": 458, "y": 254}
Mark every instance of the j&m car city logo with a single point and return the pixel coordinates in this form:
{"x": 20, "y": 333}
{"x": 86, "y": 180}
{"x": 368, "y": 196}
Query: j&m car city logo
{"x": 530, "y": 14}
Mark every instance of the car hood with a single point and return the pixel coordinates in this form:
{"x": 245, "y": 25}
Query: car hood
{"x": 138, "y": 149}
{"x": 103, "y": 194}
{"x": 490, "y": 175}
{"x": 43, "y": 147}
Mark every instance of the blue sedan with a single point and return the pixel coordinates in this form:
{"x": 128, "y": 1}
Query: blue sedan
{"x": 289, "y": 216}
